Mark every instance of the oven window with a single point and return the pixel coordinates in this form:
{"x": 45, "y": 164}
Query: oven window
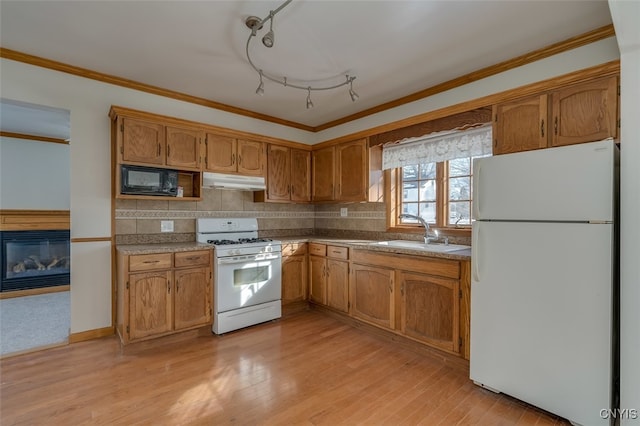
{"x": 251, "y": 274}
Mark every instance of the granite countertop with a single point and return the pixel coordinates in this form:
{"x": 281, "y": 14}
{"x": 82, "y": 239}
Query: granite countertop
{"x": 129, "y": 249}
{"x": 464, "y": 254}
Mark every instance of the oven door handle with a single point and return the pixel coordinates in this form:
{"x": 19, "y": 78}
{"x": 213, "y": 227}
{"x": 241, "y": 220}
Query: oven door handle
{"x": 246, "y": 259}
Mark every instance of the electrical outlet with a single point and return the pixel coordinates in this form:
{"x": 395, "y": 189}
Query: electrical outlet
{"x": 343, "y": 211}
{"x": 166, "y": 226}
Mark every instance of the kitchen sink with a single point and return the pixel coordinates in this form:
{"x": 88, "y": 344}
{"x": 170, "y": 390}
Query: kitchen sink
{"x": 416, "y": 245}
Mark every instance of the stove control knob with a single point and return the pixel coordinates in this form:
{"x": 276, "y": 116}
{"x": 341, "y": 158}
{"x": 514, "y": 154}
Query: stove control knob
{"x": 237, "y": 252}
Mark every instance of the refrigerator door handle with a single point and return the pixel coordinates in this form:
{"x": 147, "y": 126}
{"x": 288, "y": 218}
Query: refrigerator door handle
{"x": 476, "y": 192}
{"x": 475, "y": 258}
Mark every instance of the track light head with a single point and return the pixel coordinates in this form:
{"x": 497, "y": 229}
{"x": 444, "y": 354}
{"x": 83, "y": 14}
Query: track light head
{"x": 309, "y": 103}
{"x": 260, "y": 89}
{"x": 352, "y": 93}
{"x": 268, "y": 38}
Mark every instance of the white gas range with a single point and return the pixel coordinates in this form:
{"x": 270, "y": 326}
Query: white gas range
{"x": 247, "y": 273}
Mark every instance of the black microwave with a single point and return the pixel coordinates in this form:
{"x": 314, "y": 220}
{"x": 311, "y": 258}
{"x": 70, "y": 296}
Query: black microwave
{"x": 138, "y": 180}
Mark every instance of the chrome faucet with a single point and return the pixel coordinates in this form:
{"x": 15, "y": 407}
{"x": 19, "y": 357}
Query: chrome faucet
{"x": 427, "y": 238}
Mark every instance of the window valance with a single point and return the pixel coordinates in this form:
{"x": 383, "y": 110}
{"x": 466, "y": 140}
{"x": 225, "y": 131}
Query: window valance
{"x": 439, "y": 146}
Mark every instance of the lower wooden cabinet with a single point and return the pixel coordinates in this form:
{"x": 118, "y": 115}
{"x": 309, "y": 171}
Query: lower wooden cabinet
{"x": 429, "y": 309}
{"x": 338, "y": 284}
{"x": 372, "y": 298}
{"x": 158, "y": 294}
{"x": 317, "y": 280}
{"x": 329, "y": 276}
{"x": 294, "y": 273}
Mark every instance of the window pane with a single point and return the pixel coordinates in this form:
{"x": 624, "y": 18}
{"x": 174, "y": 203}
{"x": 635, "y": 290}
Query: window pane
{"x": 459, "y": 213}
{"x": 428, "y": 212}
{"x": 410, "y": 208}
{"x": 460, "y": 188}
{"x": 428, "y": 190}
{"x": 460, "y": 167}
{"x": 410, "y": 191}
{"x": 410, "y": 173}
{"x": 428, "y": 171}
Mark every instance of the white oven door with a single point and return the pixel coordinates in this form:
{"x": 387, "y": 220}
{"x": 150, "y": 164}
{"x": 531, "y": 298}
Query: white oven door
{"x": 247, "y": 280}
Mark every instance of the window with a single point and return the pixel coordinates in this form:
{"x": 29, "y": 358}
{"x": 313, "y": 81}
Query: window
{"x": 440, "y": 193}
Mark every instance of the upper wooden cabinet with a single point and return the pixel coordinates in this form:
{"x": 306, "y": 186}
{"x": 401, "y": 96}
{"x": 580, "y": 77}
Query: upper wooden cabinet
{"x": 586, "y": 112}
{"x": 322, "y": 174}
{"x": 226, "y": 154}
{"x": 141, "y": 142}
{"x": 183, "y": 147}
{"x": 349, "y": 171}
{"x": 156, "y": 144}
{"x": 288, "y": 175}
{"x": 520, "y": 125}
{"x": 580, "y": 113}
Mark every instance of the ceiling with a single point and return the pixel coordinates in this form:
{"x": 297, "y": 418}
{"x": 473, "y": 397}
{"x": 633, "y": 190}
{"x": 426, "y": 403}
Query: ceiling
{"x": 394, "y": 48}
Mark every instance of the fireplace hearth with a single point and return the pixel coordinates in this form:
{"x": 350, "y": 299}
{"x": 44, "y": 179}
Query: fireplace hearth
{"x": 34, "y": 259}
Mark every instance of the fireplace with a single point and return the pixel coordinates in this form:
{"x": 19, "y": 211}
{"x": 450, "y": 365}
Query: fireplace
{"x": 34, "y": 259}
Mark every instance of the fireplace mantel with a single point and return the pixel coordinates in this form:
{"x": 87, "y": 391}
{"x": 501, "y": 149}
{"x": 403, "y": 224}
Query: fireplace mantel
{"x": 32, "y": 220}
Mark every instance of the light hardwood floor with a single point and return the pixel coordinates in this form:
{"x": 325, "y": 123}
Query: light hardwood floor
{"x": 308, "y": 368}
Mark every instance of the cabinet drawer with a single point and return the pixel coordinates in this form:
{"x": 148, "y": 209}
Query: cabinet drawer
{"x": 317, "y": 249}
{"x": 192, "y": 258}
{"x": 294, "y": 248}
{"x": 148, "y": 262}
{"x": 338, "y": 252}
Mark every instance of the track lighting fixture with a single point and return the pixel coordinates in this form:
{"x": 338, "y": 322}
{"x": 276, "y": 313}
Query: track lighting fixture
{"x": 255, "y": 24}
{"x": 268, "y": 38}
{"x": 309, "y": 103}
{"x": 260, "y": 89}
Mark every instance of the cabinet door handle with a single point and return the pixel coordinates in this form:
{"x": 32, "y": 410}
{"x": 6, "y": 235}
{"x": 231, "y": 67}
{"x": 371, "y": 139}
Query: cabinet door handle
{"x": 402, "y": 289}
{"x": 168, "y": 286}
{"x": 555, "y": 125}
{"x": 158, "y": 149}
{"x": 168, "y": 150}
{"x": 542, "y": 128}
{"x": 233, "y": 159}
{"x": 192, "y": 258}
{"x": 177, "y": 286}
{"x": 151, "y": 261}
{"x": 239, "y": 159}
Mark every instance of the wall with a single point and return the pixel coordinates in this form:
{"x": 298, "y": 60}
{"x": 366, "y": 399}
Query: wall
{"x": 89, "y": 103}
{"x": 626, "y": 15}
{"x": 34, "y": 175}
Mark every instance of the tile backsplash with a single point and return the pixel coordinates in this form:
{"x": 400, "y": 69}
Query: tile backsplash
{"x": 138, "y": 221}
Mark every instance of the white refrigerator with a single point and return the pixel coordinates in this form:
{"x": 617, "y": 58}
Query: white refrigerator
{"x": 544, "y": 278}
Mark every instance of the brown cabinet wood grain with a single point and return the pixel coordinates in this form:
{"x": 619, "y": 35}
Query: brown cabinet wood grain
{"x": 150, "y": 304}
{"x": 250, "y": 158}
{"x": 317, "y": 280}
{"x": 225, "y": 154}
{"x": 430, "y": 310}
{"x": 192, "y": 297}
{"x": 300, "y": 175}
{"x": 372, "y": 295}
{"x": 323, "y": 170}
{"x": 142, "y": 142}
{"x": 579, "y": 113}
{"x": 294, "y": 278}
{"x": 586, "y": 112}
{"x": 183, "y": 147}
{"x": 520, "y": 125}
{"x": 288, "y": 175}
{"x": 351, "y": 171}
{"x": 337, "y": 280}
{"x": 162, "y": 293}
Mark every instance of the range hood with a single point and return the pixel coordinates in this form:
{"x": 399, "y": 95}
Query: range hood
{"x": 225, "y": 181}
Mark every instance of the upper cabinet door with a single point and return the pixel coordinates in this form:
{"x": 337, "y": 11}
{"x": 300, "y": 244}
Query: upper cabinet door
{"x": 183, "y": 147}
{"x": 221, "y": 153}
{"x": 300, "y": 175}
{"x": 142, "y": 142}
{"x": 585, "y": 112}
{"x": 323, "y": 172}
{"x": 520, "y": 125}
{"x": 352, "y": 171}
{"x": 250, "y": 158}
{"x": 279, "y": 172}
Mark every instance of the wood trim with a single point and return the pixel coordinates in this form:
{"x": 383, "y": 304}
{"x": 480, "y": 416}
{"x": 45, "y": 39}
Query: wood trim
{"x": 28, "y": 220}
{"x": 91, "y": 334}
{"x": 33, "y": 137}
{"x": 142, "y": 87}
{"x": 580, "y": 76}
{"x": 32, "y": 350}
{"x": 34, "y": 291}
{"x": 536, "y": 55}
{"x": 554, "y": 49}
{"x": 90, "y": 239}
